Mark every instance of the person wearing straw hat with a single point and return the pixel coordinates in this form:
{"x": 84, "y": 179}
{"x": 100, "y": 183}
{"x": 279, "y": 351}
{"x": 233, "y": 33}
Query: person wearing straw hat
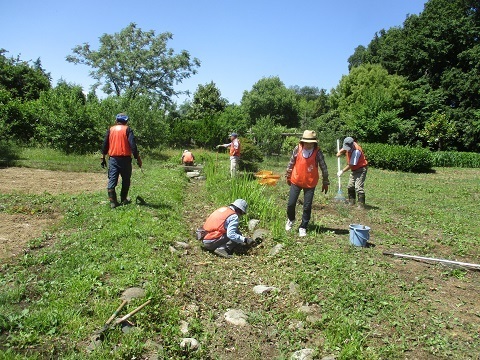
{"x": 234, "y": 145}
{"x": 221, "y": 228}
{"x": 358, "y": 164}
{"x": 302, "y": 174}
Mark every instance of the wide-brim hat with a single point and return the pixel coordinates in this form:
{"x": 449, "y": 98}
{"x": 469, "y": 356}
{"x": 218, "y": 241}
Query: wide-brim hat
{"x": 348, "y": 143}
{"x": 309, "y": 136}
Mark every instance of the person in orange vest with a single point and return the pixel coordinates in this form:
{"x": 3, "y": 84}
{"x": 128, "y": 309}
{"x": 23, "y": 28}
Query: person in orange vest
{"x": 358, "y": 164}
{"x": 187, "y": 158}
{"x": 302, "y": 174}
{"x": 120, "y": 145}
{"x": 221, "y": 227}
{"x": 235, "y": 147}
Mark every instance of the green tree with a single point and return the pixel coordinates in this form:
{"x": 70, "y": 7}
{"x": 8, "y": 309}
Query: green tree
{"x": 268, "y": 135}
{"x": 22, "y": 80}
{"x": 439, "y": 131}
{"x": 207, "y": 102}
{"x": 63, "y": 122}
{"x": 135, "y": 62}
{"x": 370, "y": 102}
{"x": 270, "y": 97}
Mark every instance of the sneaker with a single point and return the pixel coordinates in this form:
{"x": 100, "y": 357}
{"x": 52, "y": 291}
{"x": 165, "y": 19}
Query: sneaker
{"x": 222, "y": 252}
{"x": 288, "y": 225}
{"x": 302, "y": 232}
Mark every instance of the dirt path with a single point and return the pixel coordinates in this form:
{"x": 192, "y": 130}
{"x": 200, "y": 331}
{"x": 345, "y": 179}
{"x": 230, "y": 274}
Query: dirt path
{"x": 17, "y": 229}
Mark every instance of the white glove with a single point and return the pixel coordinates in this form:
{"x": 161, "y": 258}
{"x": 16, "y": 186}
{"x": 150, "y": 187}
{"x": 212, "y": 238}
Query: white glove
{"x": 340, "y": 173}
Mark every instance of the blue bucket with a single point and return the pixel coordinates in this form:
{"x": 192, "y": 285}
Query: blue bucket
{"x": 359, "y": 234}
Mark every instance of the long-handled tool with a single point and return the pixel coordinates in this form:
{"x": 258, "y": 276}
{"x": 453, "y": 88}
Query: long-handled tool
{"x": 469, "y": 265}
{"x": 110, "y": 323}
{"x": 339, "y": 196}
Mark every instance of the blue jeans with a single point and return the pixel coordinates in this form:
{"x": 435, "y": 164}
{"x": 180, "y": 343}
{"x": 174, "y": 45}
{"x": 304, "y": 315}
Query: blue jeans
{"x": 307, "y": 204}
{"x": 120, "y": 166}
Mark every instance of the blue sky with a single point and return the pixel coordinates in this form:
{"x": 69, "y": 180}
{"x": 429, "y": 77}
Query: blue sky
{"x": 303, "y": 42}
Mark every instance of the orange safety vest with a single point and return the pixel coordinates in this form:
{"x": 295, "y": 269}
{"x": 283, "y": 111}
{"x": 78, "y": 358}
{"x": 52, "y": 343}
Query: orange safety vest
{"x": 118, "y": 144}
{"x": 215, "y": 224}
{"x": 305, "y": 171}
{"x": 187, "y": 157}
{"x": 362, "y": 161}
{"x": 233, "y": 151}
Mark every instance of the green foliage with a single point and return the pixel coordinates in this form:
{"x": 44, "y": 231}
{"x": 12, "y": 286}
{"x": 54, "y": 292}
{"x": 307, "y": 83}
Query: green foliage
{"x": 370, "y": 102}
{"x": 398, "y": 158}
{"x": 289, "y": 144}
{"x": 207, "y": 102}
{"x": 438, "y": 131}
{"x": 250, "y": 157}
{"x": 9, "y": 152}
{"x": 135, "y": 62}
{"x": 22, "y": 80}
{"x": 268, "y": 136}
{"x": 63, "y": 122}
{"x": 456, "y": 159}
{"x": 270, "y": 97}
{"x": 438, "y": 52}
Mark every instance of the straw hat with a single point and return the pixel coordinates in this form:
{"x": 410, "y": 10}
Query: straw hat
{"x": 309, "y": 136}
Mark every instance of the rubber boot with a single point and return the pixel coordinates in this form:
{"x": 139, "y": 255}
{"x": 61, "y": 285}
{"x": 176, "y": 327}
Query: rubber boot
{"x": 112, "y": 196}
{"x": 123, "y": 196}
{"x": 361, "y": 201}
{"x": 351, "y": 196}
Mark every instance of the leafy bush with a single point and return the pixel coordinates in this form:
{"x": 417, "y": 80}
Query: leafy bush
{"x": 456, "y": 159}
{"x": 398, "y": 158}
{"x": 250, "y": 156}
{"x": 289, "y": 144}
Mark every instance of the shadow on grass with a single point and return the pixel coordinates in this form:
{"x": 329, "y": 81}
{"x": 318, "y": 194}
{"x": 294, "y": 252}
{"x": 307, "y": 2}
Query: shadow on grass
{"x": 321, "y": 229}
{"x": 141, "y": 201}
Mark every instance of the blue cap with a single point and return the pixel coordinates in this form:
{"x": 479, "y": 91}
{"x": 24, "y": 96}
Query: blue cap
{"x": 122, "y": 117}
{"x": 234, "y": 134}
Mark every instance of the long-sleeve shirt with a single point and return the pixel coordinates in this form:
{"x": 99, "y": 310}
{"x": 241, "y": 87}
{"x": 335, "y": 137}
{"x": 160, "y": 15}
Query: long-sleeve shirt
{"x": 320, "y": 161}
{"x": 233, "y": 233}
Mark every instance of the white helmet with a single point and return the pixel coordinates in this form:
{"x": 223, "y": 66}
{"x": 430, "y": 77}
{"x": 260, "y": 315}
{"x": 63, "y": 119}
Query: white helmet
{"x": 240, "y": 204}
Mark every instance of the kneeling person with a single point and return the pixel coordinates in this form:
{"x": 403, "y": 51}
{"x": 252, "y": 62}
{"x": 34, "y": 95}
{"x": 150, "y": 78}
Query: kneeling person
{"x": 223, "y": 235}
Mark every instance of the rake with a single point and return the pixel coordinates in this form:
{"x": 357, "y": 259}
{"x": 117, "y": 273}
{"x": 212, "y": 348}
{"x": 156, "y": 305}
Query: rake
{"x": 339, "y": 196}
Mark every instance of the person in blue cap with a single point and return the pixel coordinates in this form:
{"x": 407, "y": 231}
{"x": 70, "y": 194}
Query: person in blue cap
{"x": 119, "y": 143}
{"x": 234, "y": 145}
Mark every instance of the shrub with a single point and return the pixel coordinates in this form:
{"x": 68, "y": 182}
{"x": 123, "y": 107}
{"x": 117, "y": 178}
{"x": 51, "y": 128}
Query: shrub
{"x": 250, "y": 156}
{"x": 289, "y": 144}
{"x": 398, "y": 158}
{"x": 456, "y": 159}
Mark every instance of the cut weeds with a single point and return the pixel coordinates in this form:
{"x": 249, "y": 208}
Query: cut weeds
{"x": 354, "y": 303}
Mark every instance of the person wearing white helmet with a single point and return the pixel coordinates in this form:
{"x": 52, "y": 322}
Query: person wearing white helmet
{"x": 187, "y": 158}
{"x": 222, "y": 232}
{"x": 120, "y": 145}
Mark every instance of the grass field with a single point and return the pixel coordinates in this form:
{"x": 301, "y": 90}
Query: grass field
{"x": 331, "y": 297}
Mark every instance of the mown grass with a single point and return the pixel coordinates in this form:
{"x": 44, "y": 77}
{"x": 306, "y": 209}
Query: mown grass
{"x": 371, "y": 306}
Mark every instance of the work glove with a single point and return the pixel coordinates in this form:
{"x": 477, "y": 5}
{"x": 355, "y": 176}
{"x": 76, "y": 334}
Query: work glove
{"x": 139, "y": 162}
{"x": 288, "y": 175}
{"x": 289, "y": 182}
{"x": 340, "y": 173}
{"x": 103, "y": 164}
{"x": 325, "y": 188}
{"x": 249, "y": 241}
{"x": 219, "y": 146}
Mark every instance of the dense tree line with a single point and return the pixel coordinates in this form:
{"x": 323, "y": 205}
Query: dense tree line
{"x": 417, "y": 84}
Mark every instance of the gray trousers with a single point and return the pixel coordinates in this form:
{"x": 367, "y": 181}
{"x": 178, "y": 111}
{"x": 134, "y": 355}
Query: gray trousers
{"x": 357, "y": 180}
{"x": 222, "y": 242}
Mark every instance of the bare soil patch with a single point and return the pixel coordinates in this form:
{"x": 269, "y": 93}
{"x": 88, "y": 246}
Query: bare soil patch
{"x": 16, "y": 230}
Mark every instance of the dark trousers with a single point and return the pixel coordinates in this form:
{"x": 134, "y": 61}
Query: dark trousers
{"x": 119, "y": 166}
{"x": 221, "y": 242}
{"x": 307, "y": 203}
